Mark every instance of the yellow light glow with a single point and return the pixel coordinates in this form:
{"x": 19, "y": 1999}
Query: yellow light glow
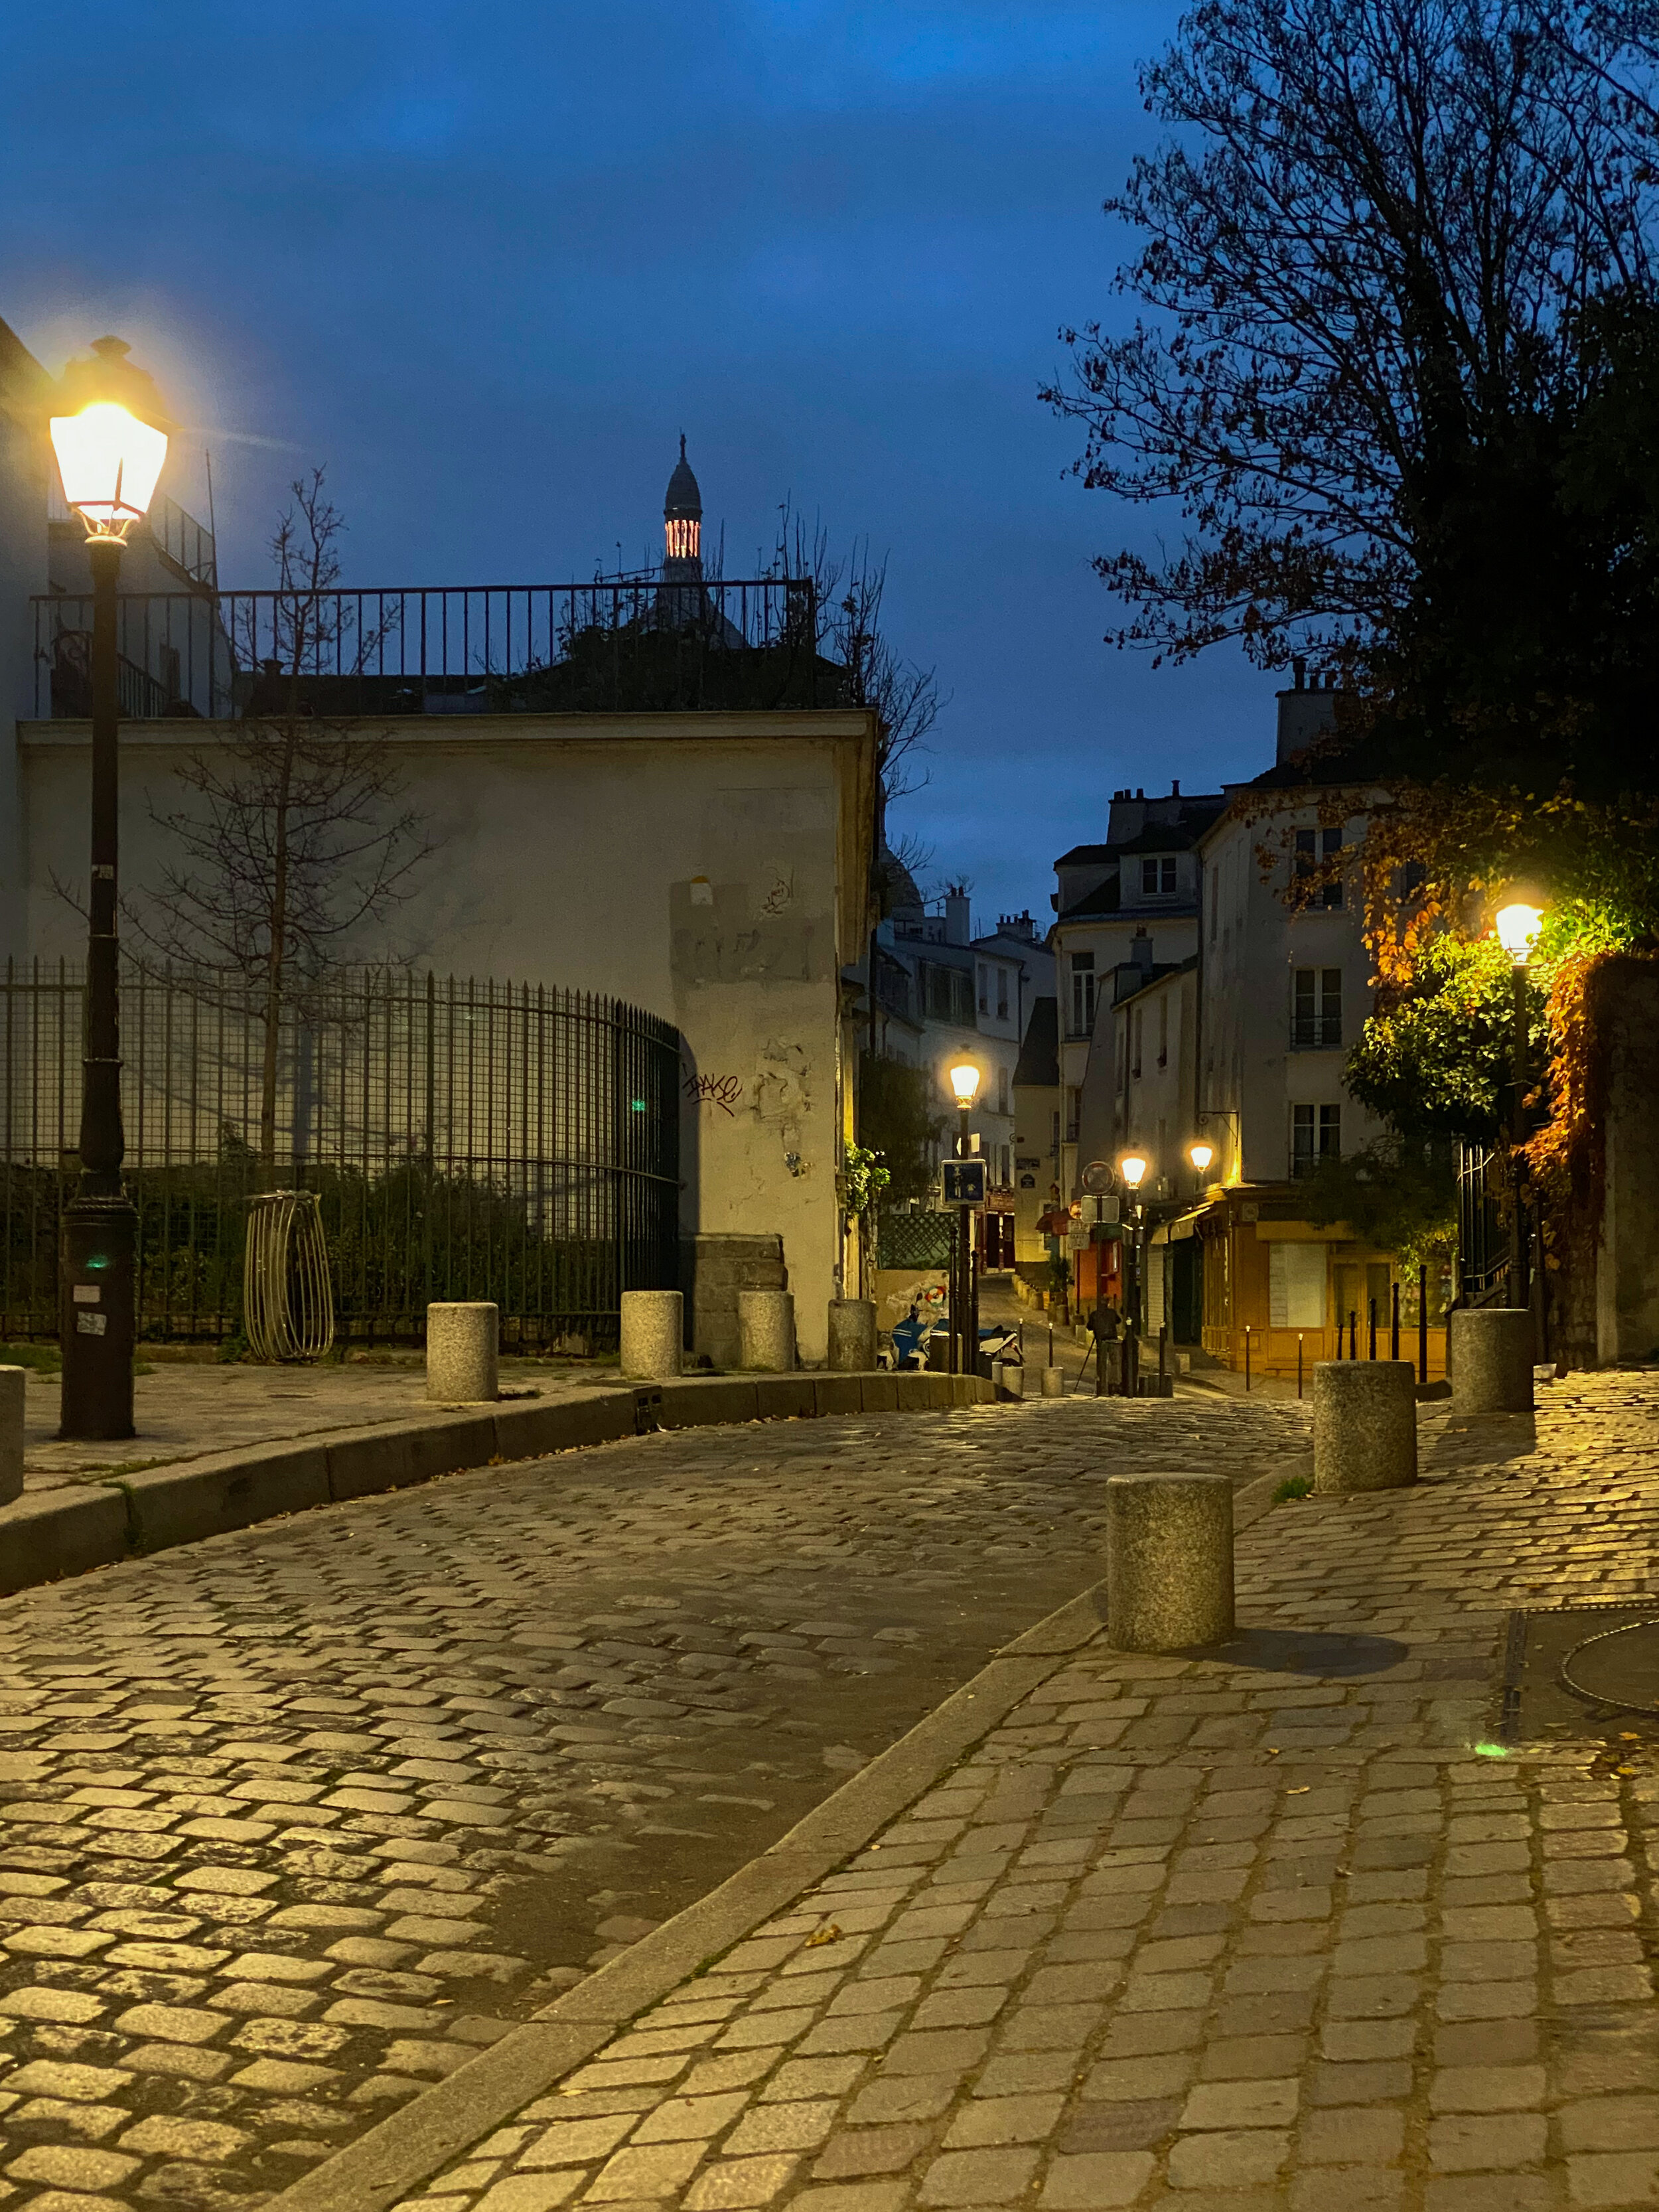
{"x": 109, "y": 462}
{"x": 964, "y": 1081}
{"x": 1201, "y": 1154}
{"x": 1517, "y": 928}
{"x": 1133, "y": 1168}
{"x": 683, "y": 537}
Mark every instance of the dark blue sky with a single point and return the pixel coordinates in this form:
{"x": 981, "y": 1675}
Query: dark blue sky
{"x": 488, "y": 258}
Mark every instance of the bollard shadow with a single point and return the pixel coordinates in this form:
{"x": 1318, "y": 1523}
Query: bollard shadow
{"x": 1308, "y": 1651}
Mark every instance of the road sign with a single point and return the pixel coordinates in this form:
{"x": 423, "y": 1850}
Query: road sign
{"x": 1099, "y": 1178}
{"x": 963, "y": 1182}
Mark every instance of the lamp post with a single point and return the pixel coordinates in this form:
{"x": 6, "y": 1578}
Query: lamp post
{"x": 110, "y": 445}
{"x": 1200, "y": 1153}
{"x": 1133, "y": 1168}
{"x": 1517, "y": 926}
{"x": 964, "y": 1303}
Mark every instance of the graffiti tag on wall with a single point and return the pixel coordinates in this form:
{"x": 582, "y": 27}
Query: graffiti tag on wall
{"x": 722, "y": 1091}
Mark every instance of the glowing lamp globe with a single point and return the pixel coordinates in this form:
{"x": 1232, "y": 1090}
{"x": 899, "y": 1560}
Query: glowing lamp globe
{"x": 1201, "y": 1154}
{"x": 110, "y": 437}
{"x": 964, "y": 1081}
{"x": 1518, "y": 927}
{"x": 1133, "y": 1168}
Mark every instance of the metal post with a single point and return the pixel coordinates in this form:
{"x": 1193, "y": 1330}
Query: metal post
{"x": 1247, "y": 1355}
{"x": 1423, "y": 1323}
{"x": 1051, "y": 1343}
{"x": 1519, "y": 1288}
{"x": 1299, "y": 1367}
{"x": 96, "y": 1289}
{"x": 1371, "y": 1304}
{"x": 1163, "y": 1357}
{"x": 1394, "y": 1321}
{"x": 1353, "y": 1334}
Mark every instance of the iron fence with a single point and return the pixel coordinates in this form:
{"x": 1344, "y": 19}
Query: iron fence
{"x": 628, "y": 645}
{"x": 466, "y": 1140}
{"x": 1483, "y": 1241}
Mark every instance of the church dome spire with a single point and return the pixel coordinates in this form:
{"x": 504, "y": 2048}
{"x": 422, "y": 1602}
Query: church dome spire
{"x": 681, "y": 518}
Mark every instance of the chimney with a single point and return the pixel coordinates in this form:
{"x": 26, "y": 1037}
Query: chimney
{"x": 1141, "y": 951}
{"x": 957, "y": 927}
{"x": 1305, "y": 712}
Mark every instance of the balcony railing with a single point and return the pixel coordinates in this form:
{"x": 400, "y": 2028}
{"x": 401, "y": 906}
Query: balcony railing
{"x": 614, "y": 648}
{"x": 1315, "y": 1032}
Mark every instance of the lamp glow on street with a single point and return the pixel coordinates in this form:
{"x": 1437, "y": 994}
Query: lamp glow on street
{"x": 964, "y": 1081}
{"x": 1133, "y": 1168}
{"x": 1201, "y": 1154}
{"x": 109, "y": 463}
{"x": 1518, "y": 927}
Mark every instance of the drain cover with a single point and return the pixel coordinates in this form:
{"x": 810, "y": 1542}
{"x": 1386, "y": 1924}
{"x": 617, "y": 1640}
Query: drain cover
{"x": 1575, "y": 1671}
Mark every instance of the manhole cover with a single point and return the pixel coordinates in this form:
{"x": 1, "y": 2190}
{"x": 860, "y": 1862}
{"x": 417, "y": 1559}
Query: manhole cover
{"x": 1573, "y": 1672}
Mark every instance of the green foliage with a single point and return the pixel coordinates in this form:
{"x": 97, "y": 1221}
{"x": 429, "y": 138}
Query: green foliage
{"x": 46, "y": 1357}
{"x": 899, "y": 1120}
{"x": 863, "y": 1178}
{"x": 1396, "y": 1197}
{"x": 1295, "y": 1486}
{"x": 1436, "y": 1060}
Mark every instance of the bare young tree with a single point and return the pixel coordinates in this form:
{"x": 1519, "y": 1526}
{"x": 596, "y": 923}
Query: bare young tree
{"x": 295, "y": 832}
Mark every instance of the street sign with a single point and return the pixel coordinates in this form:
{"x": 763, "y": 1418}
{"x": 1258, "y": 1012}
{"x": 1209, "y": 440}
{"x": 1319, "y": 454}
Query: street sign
{"x": 963, "y": 1182}
{"x": 1099, "y": 1178}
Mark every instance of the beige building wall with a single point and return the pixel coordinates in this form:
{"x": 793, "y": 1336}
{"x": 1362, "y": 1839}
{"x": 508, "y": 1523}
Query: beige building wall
{"x": 710, "y": 867}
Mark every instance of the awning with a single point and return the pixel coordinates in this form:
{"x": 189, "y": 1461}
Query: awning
{"x": 1184, "y": 1225}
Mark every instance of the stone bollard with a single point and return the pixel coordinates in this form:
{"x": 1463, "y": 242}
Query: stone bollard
{"x": 1492, "y": 1349}
{"x": 1054, "y": 1382}
{"x": 1009, "y": 1378}
{"x": 1169, "y": 1561}
{"x": 461, "y": 1341}
{"x": 652, "y": 1332}
{"x": 766, "y": 1330}
{"x": 1364, "y": 1425}
{"x": 12, "y": 1380}
{"x": 853, "y": 1336}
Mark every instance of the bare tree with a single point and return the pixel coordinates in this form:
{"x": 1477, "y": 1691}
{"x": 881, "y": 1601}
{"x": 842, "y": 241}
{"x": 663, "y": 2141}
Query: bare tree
{"x": 849, "y": 589}
{"x": 294, "y": 833}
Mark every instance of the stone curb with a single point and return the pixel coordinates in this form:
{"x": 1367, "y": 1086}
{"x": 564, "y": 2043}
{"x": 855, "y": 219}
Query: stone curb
{"x": 410, "y": 2146}
{"x": 47, "y": 1535}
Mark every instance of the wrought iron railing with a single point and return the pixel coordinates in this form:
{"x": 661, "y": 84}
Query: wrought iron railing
{"x": 466, "y": 1139}
{"x": 1483, "y": 1239}
{"x": 618, "y": 646}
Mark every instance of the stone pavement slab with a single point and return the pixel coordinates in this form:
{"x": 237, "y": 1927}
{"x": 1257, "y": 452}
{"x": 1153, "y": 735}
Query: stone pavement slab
{"x": 294, "y": 1821}
{"x": 1278, "y": 1926}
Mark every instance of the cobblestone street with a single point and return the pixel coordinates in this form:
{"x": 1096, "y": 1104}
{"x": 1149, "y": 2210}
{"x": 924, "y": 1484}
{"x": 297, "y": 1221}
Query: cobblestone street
{"x": 1277, "y": 1927}
{"x": 295, "y": 1820}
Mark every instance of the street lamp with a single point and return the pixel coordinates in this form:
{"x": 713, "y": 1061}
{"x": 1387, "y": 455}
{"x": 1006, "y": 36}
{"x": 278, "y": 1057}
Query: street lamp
{"x": 1201, "y": 1154}
{"x": 1516, "y": 926}
{"x": 965, "y": 1297}
{"x": 1133, "y": 1168}
{"x": 110, "y": 441}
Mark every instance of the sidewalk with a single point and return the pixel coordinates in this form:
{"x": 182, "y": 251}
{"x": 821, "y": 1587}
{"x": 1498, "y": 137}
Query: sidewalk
{"x": 183, "y": 1408}
{"x": 1280, "y": 1928}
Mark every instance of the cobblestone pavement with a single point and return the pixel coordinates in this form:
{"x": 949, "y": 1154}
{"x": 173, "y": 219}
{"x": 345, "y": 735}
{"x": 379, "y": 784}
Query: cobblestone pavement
{"x": 1268, "y": 1931}
{"x": 186, "y": 1408}
{"x": 295, "y": 1820}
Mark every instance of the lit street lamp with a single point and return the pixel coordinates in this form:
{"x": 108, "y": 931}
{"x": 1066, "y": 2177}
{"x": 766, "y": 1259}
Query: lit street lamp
{"x": 1201, "y": 1154}
{"x": 110, "y": 442}
{"x": 1516, "y": 926}
{"x": 964, "y": 1299}
{"x": 1133, "y": 1168}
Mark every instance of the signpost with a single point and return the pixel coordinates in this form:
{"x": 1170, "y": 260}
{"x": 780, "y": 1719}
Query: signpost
{"x": 962, "y": 1188}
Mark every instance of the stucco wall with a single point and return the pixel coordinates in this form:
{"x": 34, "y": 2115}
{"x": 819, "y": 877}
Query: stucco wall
{"x": 710, "y": 868}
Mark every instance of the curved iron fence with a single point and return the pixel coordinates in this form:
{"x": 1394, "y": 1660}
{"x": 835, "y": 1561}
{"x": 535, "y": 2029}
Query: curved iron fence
{"x": 466, "y": 1140}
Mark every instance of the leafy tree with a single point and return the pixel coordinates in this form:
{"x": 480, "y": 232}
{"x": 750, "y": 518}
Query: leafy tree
{"x": 899, "y": 1123}
{"x": 1397, "y": 1196}
{"x": 1435, "y": 1059}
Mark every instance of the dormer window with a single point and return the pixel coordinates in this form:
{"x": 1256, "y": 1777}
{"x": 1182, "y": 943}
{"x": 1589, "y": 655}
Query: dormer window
{"x": 1158, "y": 877}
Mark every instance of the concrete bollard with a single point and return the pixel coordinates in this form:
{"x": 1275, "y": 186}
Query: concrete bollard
{"x": 12, "y": 1380}
{"x": 652, "y": 1332}
{"x": 461, "y": 1350}
{"x": 1364, "y": 1425}
{"x": 853, "y": 1336}
{"x": 1169, "y": 1561}
{"x": 766, "y": 1330}
{"x": 1009, "y": 1378}
{"x": 1054, "y": 1382}
{"x": 1492, "y": 1350}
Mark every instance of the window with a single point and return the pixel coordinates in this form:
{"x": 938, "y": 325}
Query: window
{"x": 1312, "y": 847}
{"x": 984, "y": 989}
{"x": 1158, "y": 877}
{"x": 1002, "y": 1095}
{"x": 1073, "y": 1102}
{"x": 1295, "y": 1285}
{"x": 1138, "y": 1023}
{"x": 1002, "y": 994}
{"x": 1054, "y": 1139}
{"x": 962, "y": 997}
{"x": 1163, "y": 1032}
{"x": 1316, "y": 1009}
{"x": 1083, "y": 993}
{"x": 937, "y": 993}
{"x": 1004, "y": 1177}
{"x": 1316, "y": 1135}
